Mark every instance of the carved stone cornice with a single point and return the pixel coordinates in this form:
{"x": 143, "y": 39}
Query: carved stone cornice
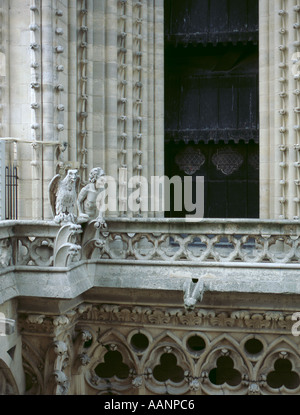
{"x": 51, "y": 325}
{"x": 206, "y": 318}
{"x": 275, "y": 321}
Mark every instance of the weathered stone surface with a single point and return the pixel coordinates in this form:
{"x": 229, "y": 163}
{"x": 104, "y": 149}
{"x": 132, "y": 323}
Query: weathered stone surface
{"x": 195, "y": 307}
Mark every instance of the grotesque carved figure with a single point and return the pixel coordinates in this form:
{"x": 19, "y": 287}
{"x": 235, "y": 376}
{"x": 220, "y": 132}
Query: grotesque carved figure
{"x": 63, "y": 196}
{"x": 90, "y": 201}
{"x": 193, "y": 291}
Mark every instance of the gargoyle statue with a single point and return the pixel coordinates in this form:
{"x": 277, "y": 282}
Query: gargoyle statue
{"x": 193, "y": 292}
{"x": 90, "y": 200}
{"x": 63, "y": 197}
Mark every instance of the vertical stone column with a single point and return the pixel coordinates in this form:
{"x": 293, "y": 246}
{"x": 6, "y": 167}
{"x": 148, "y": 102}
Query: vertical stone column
{"x": 111, "y": 89}
{"x": 72, "y": 81}
{"x": 4, "y": 99}
{"x": 98, "y": 85}
{"x": 265, "y": 112}
{"x": 150, "y": 96}
{"x": 47, "y": 350}
{"x": 48, "y": 98}
{"x": 294, "y": 94}
{"x": 60, "y": 84}
{"x": 18, "y": 88}
{"x": 158, "y": 102}
{"x": 88, "y": 99}
{"x": 84, "y": 81}
{"x": 281, "y": 101}
{"x": 125, "y": 101}
{"x": 35, "y": 28}
{"x": 279, "y": 109}
{"x": 134, "y": 99}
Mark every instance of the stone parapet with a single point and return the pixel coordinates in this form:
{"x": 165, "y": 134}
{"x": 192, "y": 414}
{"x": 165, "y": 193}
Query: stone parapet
{"x": 44, "y": 259}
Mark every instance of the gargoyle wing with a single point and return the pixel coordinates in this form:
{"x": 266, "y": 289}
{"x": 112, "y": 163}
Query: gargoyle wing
{"x": 52, "y": 190}
{"x": 77, "y": 185}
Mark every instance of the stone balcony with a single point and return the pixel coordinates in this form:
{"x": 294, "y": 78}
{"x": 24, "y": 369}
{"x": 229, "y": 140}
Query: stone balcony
{"x": 190, "y": 257}
{"x": 172, "y": 283}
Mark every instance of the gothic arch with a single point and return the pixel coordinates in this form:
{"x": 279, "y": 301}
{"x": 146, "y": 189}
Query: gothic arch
{"x": 224, "y": 368}
{"x": 278, "y": 370}
{"x": 168, "y": 339}
{"x": 224, "y": 341}
{"x": 112, "y": 367}
{"x": 167, "y": 366}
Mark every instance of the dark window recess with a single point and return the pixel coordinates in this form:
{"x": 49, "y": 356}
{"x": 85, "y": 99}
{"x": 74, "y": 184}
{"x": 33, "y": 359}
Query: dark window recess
{"x": 283, "y": 375}
{"x": 211, "y": 21}
{"x": 11, "y": 192}
{"x": 225, "y": 372}
{"x": 211, "y": 94}
{"x": 112, "y": 366}
{"x": 211, "y": 101}
{"x": 231, "y": 178}
{"x": 168, "y": 369}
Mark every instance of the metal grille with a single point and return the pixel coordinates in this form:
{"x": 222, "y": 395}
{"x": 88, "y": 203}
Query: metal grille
{"x": 11, "y": 192}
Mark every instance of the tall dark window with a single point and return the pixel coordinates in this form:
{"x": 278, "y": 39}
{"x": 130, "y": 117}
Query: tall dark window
{"x": 211, "y": 102}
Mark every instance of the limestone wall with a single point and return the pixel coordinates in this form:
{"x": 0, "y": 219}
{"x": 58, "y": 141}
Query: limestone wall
{"x": 86, "y": 78}
{"x": 279, "y": 108}
{"x": 84, "y": 84}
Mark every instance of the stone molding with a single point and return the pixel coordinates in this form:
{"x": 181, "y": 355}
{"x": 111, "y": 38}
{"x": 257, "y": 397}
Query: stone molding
{"x": 200, "y": 318}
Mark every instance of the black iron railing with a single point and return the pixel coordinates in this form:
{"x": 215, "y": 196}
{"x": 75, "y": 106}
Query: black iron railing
{"x": 11, "y": 192}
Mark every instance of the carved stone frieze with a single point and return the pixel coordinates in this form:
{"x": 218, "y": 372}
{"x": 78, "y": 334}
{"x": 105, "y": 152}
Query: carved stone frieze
{"x": 246, "y": 319}
{"x": 52, "y": 325}
{"x": 205, "y": 351}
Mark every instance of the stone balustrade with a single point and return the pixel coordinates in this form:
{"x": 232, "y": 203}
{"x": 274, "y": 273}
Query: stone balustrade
{"x": 44, "y": 259}
{"x": 36, "y": 243}
{"x": 209, "y": 240}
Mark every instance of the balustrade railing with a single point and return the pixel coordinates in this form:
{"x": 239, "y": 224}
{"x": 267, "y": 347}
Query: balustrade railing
{"x": 45, "y": 244}
{"x": 25, "y": 243}
{"x": 247, "y": 241}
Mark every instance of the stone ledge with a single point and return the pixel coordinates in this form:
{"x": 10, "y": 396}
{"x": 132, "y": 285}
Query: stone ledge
{"x": 71, "y": 282}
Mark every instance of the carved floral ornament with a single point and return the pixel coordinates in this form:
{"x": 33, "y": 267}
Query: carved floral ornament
{"x": 199, "y": 317}
{"x": 227, "y": 160}
{"x": 190, "y": 160}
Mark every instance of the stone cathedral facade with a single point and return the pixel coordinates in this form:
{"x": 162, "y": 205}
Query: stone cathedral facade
{"x": 150, "y": 300}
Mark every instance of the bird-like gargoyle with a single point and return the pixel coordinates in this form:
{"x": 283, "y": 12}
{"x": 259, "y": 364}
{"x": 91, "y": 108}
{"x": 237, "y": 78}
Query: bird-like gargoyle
{"x": 63, "y": 197}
